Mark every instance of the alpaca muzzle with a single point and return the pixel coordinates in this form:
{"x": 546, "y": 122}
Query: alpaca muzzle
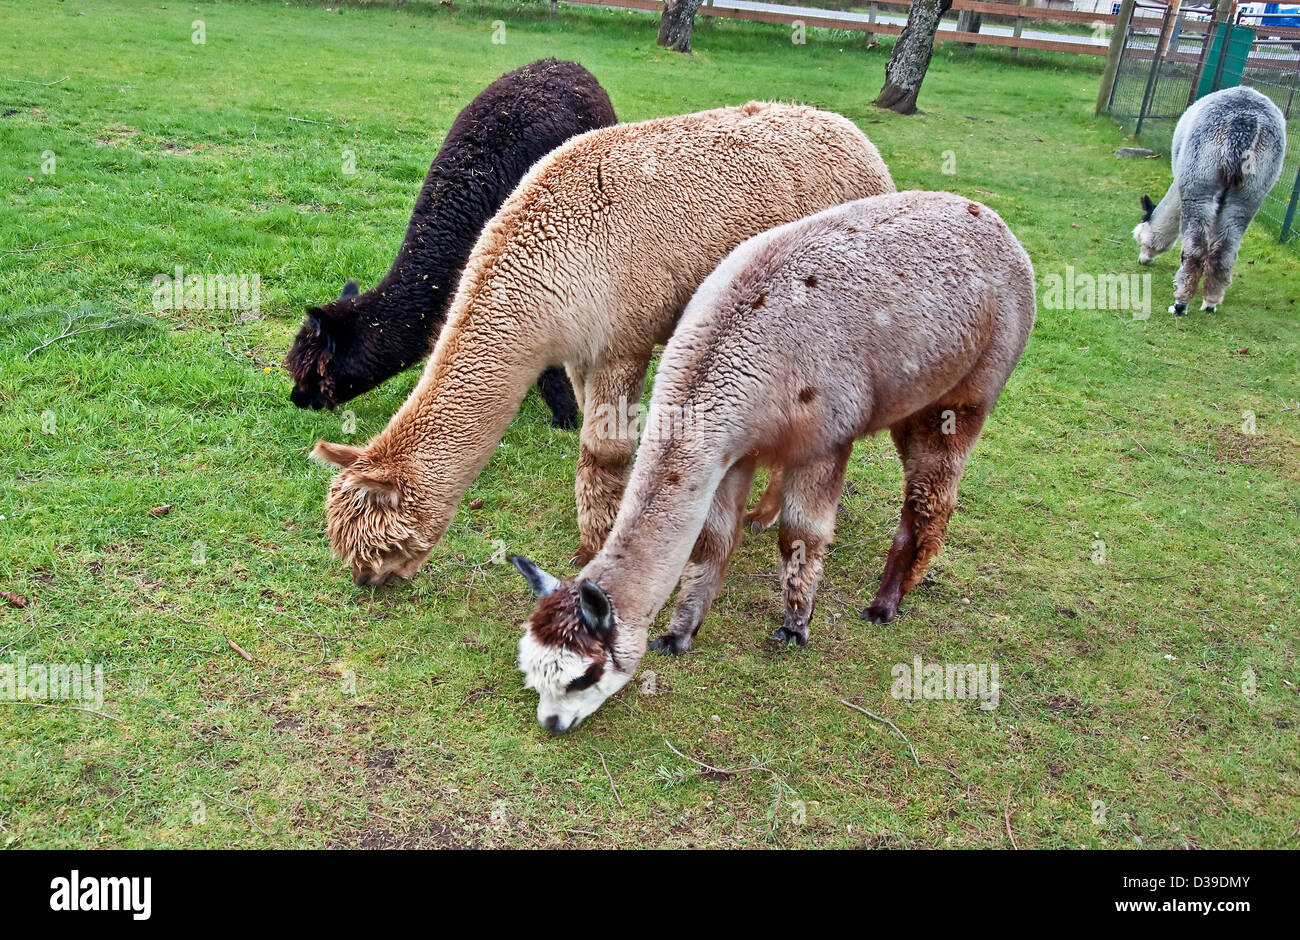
{"x": 315, "y": 399}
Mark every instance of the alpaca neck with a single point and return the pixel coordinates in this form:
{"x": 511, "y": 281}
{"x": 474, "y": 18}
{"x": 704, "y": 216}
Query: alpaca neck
{"x": 653, "y": 536}
{"x": 1165, "y": 219}
{"x": 471, "y": 389}
{"x": 412, "y": 298}
{"x": 407, "y": 305}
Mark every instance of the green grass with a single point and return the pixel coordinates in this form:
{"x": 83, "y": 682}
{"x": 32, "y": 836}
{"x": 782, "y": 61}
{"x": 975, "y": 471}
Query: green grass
{"x": 1121, "y": 681}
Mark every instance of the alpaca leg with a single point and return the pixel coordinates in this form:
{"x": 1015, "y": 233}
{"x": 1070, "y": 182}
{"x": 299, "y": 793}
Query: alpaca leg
{"x": 933, "y": 463}
{"x": 810, "y": 496}
{"x": 608, "y": 444}
{"x": 1234, "y": 219}
{"x": 763, "y": 516}
{"x": 558, "y": 395}
{"x": 1198, "y": 205}
{"x": 703, "y": 575}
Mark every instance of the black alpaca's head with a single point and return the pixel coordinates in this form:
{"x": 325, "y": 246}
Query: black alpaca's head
{"x": 325, "y": 362}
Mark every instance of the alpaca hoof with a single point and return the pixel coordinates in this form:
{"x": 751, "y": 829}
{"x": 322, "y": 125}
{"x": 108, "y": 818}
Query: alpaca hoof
{"x": 581, "y": 557}
{"x": 669, "y": 645}
{"x": 756, "y": 524}
{"x": 786, "y": 635}
{"x": 1209, "y": 307}
{"x": 879, "y": 613}
{"x": 1178, "y": 309}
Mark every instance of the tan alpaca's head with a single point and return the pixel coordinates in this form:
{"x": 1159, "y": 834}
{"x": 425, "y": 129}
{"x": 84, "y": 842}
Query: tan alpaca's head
{"x": 373, "y": 524}
{"x": 568, "y": 653}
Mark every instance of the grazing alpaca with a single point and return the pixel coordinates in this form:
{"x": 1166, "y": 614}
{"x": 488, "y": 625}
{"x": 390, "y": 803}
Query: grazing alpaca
{"x": 1226, "y": 156}
{"x": 905, "y": 312}
{"x": 589, "y": 264}
{"x": 352, "y": 344}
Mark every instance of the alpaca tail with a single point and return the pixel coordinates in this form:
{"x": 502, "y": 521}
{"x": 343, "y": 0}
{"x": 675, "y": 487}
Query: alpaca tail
{"x": 1239, "y": 146}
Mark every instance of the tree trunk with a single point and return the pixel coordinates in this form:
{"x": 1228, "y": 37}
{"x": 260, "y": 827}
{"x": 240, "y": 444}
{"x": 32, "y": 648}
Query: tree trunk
{"x": 911, "y": 56}
{"x": 677, "y": 23}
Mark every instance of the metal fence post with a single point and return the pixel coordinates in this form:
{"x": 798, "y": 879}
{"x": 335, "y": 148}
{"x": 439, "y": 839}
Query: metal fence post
{"x": 1155, "y": 70}
{"x": 1289, "y": 219}
{"x": 1202, "y": 58}
{"x": 1225, "y": 40}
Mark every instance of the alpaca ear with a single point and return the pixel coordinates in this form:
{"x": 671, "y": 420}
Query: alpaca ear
{"x": 1148, "y": 208}
{"x": 377, "y": 484}
{"x": 338, "y": 455}
{"x": 541, "y": 582}
{"x": 350, "y": 289}
{"x": 594, "y": 608}
{"x": 318, "y": 320}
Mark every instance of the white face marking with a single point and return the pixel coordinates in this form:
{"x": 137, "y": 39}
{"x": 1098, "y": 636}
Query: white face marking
{"x": 548, "y": 670}
{"x": 1144, "y": 235}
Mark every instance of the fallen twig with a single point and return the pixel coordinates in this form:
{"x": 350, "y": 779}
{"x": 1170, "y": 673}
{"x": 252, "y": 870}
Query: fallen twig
{"x": 64, "y": 708}
{"x": 69, "y": 332}
{"x": 611, "y": 777}
{"x": 309, "y": 121}
{"x": 12, "y": 642}
{"x": 1111, "y": 489}
{"x": 727, "y": 772}
{"x": 248, "y": 813}
{"x": 369, "y": 812}
{"x": 897, "y": 730}
{"x": 28, "y": 81}
{"x": 1006, "y": 816}
{"x": 1139, "y": 444}
{"x": 22, "y": 251}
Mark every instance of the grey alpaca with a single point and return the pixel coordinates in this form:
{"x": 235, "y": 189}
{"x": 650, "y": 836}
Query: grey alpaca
{"x": 1227, "y": 154}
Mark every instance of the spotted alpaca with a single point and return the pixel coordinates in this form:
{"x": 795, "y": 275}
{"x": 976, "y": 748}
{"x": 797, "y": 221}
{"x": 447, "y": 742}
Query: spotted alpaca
{"x": 589, "y": 264}
{"x": 905, "y": 312}
{"x": 1227, "y": 153}
{"x": 353, "y": 344}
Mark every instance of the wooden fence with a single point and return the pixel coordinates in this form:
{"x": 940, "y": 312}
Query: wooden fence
{"x": 1015, "y": 13}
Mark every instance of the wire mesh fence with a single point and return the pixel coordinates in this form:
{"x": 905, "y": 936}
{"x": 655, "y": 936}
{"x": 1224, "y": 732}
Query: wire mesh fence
{"x": 1171, "y": 57}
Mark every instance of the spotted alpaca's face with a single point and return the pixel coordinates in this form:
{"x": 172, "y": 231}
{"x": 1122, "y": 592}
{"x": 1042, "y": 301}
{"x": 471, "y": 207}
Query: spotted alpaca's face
{"x": 373, "y": 527}
{"x": 1145, "y": 234}
{"x": 567, "y": 652}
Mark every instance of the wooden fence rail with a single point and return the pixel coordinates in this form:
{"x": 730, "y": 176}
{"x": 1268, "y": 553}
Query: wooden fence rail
{"x": 828, "y": 19}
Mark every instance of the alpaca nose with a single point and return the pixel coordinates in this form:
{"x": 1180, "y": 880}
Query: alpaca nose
{"x": 552, "y": 724}
{"x": 364, "y": 577}
{"x": 305, "y": 399}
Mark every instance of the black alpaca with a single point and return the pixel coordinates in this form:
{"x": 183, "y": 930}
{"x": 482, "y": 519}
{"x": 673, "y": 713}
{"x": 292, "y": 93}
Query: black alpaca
{"x": 350, "y": 345}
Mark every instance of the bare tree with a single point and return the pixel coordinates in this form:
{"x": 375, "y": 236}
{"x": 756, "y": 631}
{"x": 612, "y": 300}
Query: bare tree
{"x": 911, "y": 56}
{"x": 678, "y": 22}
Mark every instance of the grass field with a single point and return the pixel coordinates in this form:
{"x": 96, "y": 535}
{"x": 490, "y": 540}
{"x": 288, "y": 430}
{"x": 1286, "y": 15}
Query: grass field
{"x": 1124, "y": 550}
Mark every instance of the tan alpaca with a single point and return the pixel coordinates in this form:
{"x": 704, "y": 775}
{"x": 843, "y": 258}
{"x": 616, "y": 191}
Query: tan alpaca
{"x": 587, "y": 265}
{"x": 905, "y": 312}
